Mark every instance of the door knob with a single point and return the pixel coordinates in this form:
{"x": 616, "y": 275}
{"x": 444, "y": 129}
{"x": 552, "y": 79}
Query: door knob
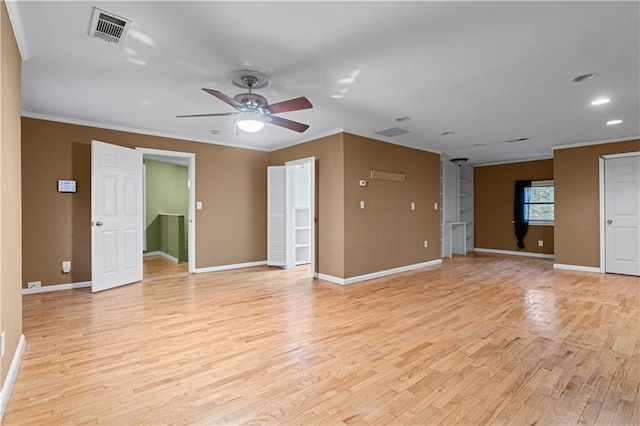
{"x": 98, "y": 223}
{"x": 609, "y": 221}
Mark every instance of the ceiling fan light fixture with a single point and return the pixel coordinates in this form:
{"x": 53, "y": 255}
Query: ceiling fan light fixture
{"x": 249, "y": 124}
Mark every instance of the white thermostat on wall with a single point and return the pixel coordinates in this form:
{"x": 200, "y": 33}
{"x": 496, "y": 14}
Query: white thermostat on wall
{"x": 66, "y": 186}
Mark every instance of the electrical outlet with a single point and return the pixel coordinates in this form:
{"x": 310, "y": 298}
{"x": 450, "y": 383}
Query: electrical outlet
{"x": 540, "y": 243}
{"x": 66, "y": 266}
{"x": 435, "y": 206}
{"x": 413, "y": 205}
{"x": 362, "y": 204}
{"x": 426, "y": 243}
{"x": 34, "y": 284}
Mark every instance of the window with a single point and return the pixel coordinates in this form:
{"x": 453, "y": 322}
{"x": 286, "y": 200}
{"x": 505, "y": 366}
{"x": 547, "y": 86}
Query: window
{"x": 539, "y": 203}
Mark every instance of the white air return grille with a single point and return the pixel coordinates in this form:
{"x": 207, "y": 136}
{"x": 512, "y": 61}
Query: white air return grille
{"x": 108, "y": 27}
{"x": 394, "y": 131}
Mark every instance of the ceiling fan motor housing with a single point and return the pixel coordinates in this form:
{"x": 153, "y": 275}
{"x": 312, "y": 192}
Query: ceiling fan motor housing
{"x": 251, "y": 100}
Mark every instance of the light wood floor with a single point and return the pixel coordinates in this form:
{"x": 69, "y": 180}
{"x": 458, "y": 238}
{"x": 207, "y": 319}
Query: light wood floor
{"x": 482, "y": 339}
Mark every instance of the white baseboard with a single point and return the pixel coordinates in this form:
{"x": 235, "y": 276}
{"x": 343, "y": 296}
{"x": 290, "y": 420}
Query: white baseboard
{"x": 330, "y": 278}
{"x": 233, "y": 266}
{"x": 373, "y": 275}
{"x": 515, "y": 253}
{"x": 161, "y": 253}
{"x": 12, "y": 375}
{"x": 577, "y": 268}
{"x": 56, "y": 287}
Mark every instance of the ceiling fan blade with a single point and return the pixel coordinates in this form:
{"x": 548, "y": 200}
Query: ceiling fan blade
{"x": 290, "y": 105}
{"x": 221, "y": 114}
{"x": 225, "y": 98}
{"x": 288, "y": 124}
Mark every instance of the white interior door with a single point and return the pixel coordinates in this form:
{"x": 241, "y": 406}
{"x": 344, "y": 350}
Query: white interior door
{"x": 116, "y": 216}
{"x": 622, "y": 215}
{"x": 277, "y": 217}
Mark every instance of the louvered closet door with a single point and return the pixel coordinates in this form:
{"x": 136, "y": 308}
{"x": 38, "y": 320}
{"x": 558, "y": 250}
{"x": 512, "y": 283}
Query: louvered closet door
{"x": 277, "y": 217}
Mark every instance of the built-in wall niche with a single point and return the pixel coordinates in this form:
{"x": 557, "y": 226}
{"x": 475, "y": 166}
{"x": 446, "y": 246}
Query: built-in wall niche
{"x": 456, "y": 201}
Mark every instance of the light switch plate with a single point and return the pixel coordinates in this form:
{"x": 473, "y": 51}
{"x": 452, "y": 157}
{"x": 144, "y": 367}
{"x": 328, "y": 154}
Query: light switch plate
{"x": 199, "y": 205}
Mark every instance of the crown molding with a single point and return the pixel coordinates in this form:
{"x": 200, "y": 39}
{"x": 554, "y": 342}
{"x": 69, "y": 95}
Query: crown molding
{"x": 601, "y": 142}
{"x": 497, "y": 163}
{"x": 67, "y": 120}
{"x": 18, "y": 28}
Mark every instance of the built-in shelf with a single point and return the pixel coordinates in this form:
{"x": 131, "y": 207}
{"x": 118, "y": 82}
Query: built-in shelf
{"x": 465, "y": 192}
{"x": 456, "y": 208}
{"x": 302, "y": 239}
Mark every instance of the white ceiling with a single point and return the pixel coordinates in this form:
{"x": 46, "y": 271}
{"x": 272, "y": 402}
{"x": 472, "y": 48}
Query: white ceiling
{"x": 488, "y": 71}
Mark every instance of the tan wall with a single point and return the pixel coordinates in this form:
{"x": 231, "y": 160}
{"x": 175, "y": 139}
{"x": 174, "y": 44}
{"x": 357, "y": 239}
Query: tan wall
{"x": 493, "y": 188}
{"x": 10, "y": 205}
{"x": 328, "y": 152}
{"x": 577, "y": 186}
{"x": 230, "y": 182}
{"x": 387, "y": 234}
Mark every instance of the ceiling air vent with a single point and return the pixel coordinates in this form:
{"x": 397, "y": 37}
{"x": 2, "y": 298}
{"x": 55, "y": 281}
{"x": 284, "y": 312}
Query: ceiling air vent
{"x": 108, "y": 27}
{"x": 393, "y": 131}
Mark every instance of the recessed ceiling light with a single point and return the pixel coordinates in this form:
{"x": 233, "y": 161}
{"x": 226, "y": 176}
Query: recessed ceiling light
{"x": 600, "y": 101}
{"x": 586, "y": 77}
{"x": 403, "y": 118}
{"x": 612, "y": 122}
{"x": 447, "y": 133}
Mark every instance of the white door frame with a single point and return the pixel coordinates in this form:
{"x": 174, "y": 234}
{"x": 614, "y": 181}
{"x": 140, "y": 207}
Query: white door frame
{"x": 312, "y": 162}
{"x": 191, "y": 224}
{"x": 602, "y": 207}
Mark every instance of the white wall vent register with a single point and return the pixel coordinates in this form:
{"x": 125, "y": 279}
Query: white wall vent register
{"x": 108, "y": 27}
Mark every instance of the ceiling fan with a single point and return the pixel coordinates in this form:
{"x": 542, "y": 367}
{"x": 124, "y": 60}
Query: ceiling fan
{"x": 253, "y": 110}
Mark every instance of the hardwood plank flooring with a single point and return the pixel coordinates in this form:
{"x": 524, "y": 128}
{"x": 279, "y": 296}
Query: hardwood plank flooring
{"x": 481, "y": 339}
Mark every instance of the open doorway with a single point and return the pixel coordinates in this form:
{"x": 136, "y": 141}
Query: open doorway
{"x": 169, "y": 210}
